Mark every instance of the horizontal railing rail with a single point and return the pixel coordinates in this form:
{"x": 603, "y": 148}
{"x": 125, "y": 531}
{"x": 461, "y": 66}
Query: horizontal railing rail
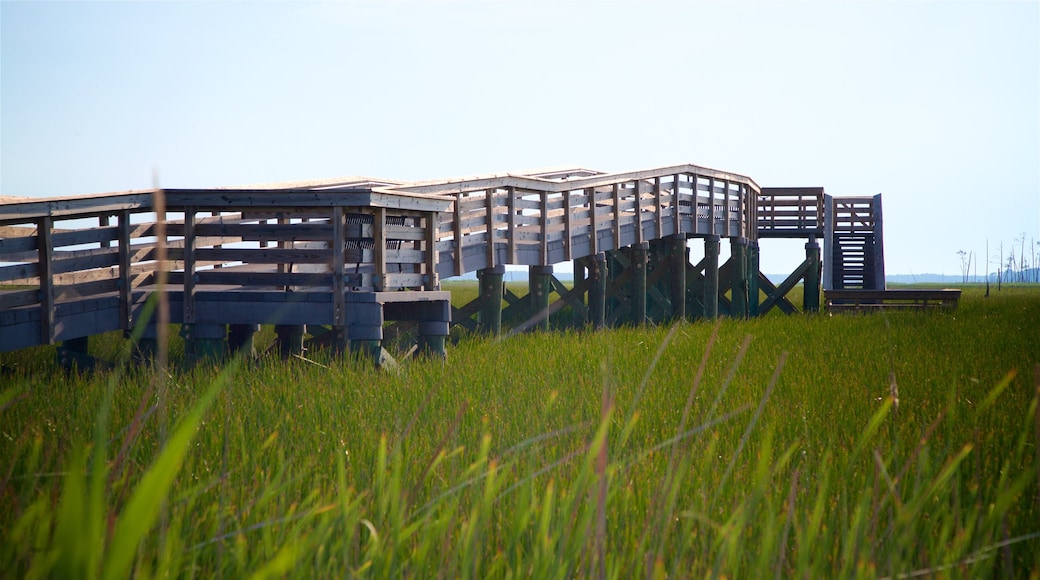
{"x": 790, "y": 212}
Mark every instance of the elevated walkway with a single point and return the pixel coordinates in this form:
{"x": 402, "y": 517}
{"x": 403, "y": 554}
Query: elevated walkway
{"x": 351, "y": 254}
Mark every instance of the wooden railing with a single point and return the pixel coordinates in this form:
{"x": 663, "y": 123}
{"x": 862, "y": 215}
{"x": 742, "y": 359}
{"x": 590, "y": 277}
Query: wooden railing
{"x": 790, "y": 212}
{"x": 95, "y": 253}
{"x": 91, "y": 260}
{"x": 520, "y": 220}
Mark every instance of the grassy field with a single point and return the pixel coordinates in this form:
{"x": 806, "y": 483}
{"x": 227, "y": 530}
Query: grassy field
{"x": 885, "y": 445}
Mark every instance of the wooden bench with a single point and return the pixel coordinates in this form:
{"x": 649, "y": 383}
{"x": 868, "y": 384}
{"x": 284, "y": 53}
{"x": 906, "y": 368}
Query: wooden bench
{"x": 902, "y": 298}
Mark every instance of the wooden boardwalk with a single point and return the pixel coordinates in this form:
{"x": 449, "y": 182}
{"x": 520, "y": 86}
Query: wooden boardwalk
{"x": 355, "y": 253}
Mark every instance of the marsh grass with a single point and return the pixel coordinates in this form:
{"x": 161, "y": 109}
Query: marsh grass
{"x": 770, "y": 447}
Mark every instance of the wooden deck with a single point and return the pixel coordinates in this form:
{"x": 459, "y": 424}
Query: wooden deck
{"x": 77, "y": 266}
{"x": 352, "y": 253}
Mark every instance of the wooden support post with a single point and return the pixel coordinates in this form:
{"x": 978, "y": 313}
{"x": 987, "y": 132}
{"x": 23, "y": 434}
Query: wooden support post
{"x": 240, "y": 338}
{"x": 739, "y": 286}
{"x": 433, "y": 345}
{"x": 711, "y": 277}
{"x": 752, "y": 276}
{"x": 879, "y": 243}
{"x": 433, "y": 329}
{"x": 365, "y": 329}
{"x": 811, "y": 285}
{"x": 677, "y": 262}
{"x": 290, "y": 339}
{"x": 637, "y": 263}
{"x": 45, "y": 257}
{"x": 580, "y": 279}
{"x": 203, "y": 341}
{"x": 539, "y": 285}
{"x": 597, "y": 290}
{"x": 457, "y": 234}
{"x": 491, "y": 299}
{"x": 72, "y": 354}
{"x": 147, "y": 345}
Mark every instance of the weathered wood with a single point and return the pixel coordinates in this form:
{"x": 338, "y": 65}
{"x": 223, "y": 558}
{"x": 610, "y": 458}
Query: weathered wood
{"x": 778, "y": 294}
{"x": 46, "y": 257}
{"x": 539, "y": 289}
{"x": 879, "y": 242}
{"x": 490, "y": 298}
{"x": 867, "y": 300}
{"x": 189, "y": 266}
{"x": 711, "y": 277}
{"x": 752, "y": 278}
{"x": 811, "y": 286}
{"x": 125, "y": 273}
{"x": 339, "y": 308}
{"x": 739, "y": 283}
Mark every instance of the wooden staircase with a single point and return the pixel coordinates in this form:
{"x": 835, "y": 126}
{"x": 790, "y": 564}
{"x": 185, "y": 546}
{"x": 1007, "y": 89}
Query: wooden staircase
{"x": 854, "y": 257}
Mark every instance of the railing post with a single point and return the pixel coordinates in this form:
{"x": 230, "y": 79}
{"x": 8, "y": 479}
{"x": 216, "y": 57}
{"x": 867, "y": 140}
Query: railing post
{"x": 457, "y": 234}
{"x": 590, "y": 194}
{"x": 658, "y": 223}
{"x": 711, "y": 277}
{"x": 432, "y": 281}
{"x": 339, "y": 307}
{"x": 125, "y": 279}
{"x": 543, "y": 238}
{"x": 189, "y": 266}
{"x": 568, "y": 251}
{"x": 45, "y": 257}
{"x": 511, "y": 223}
{"x": 489, "y": 208}
{"x": 379, "y": 248}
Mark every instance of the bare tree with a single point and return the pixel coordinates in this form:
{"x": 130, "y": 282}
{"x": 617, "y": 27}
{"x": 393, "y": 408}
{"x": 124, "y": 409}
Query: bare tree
{"x": 988, "y": 260}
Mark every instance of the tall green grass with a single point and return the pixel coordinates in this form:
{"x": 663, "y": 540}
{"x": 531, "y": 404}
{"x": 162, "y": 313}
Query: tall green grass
{"x": 884, "y": 445}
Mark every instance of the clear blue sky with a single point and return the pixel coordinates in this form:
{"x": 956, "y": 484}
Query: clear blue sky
{"x": 936, "y": 105}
